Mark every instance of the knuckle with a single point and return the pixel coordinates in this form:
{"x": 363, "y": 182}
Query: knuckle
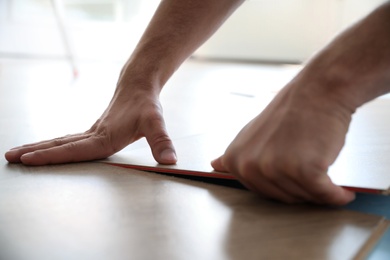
{"x": 248, "y": 169}
{"x": 161, "y": 138}
{"x": 58, "y": 141}
{"x": 271, "y": 167}
{"x": 311, "y": 172}
{"x": 312, "y": 169}
{"x": 268, "y": 168}
{"x": 153, "y": 118}
{"x": 152, "y": 113}
{"x": 71, "y": 146}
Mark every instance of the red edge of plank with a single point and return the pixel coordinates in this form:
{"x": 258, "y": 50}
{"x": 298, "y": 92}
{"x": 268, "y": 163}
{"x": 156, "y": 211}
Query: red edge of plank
{"x": 221, "y": 175}
{"x": 217, "y": 175}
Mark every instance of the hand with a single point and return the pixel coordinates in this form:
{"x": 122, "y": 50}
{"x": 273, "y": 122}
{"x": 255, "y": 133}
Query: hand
{"x": 133, "y": 113}
{"x": 284, "y": 153}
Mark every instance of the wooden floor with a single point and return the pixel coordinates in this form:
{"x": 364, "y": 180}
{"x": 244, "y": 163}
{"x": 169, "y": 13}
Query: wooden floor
{"x": 96, "y": 211}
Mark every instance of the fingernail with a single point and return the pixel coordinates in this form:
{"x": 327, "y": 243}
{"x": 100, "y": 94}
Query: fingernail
{"x": 26, "y": 157}
{"x": 168, "y": 155}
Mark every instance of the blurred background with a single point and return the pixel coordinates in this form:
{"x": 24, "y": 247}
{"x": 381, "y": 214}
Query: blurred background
{"x": 260, "y": 30}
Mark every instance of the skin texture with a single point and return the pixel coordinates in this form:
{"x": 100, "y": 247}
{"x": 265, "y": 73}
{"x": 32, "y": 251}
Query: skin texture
{"x": 284, "y": 153}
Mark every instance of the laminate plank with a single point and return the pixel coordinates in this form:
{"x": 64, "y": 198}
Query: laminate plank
{"x": 97, "y": 211}
{"x": 362, "y": 165}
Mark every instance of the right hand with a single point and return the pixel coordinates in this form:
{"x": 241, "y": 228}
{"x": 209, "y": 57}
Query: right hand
{"x": 284, "y": 153}
{"x": 134, "y": 112}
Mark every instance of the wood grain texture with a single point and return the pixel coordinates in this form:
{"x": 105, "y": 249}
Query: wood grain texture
{"x": 365, "y": 250}
{"x": 96, "y": 211}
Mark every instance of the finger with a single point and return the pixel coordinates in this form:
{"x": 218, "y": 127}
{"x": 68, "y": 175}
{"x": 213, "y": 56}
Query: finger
{"x": 325, "y": 191}
{"x": 82, "y": 150}
{"x": 270, "y": 190}
{"x": 14, "y": 154}
{"x": 261, "y": 185}
{"x": 161, "y": 144}
{"x": 295, "y": 190}
{"x": 218, "y": 165}
{"x": 317, "y": 189}
{"x": 45, "y": 141}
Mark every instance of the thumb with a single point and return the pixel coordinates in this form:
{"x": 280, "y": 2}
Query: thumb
{"x": 218, "y": 165}
{"x": 161, "y": 144}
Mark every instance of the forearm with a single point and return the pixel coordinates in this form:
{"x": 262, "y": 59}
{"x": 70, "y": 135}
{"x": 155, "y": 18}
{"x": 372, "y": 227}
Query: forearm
{"x": 355, "y": 67}
{"x": 176, "y": 30}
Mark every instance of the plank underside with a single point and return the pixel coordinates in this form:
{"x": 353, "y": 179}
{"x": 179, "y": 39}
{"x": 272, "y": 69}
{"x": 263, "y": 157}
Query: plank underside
{"x": 196, "y": 152}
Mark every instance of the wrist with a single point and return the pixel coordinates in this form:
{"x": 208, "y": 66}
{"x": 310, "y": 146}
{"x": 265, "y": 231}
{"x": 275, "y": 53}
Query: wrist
{"x": 141, "y": 75}
{"x": 353, "y": 68}
{"x": 326, "y": 85}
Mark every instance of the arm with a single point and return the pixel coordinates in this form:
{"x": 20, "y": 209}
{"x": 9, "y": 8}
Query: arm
{"x": 175, "y": 31}
{"x": 285, "y": 152}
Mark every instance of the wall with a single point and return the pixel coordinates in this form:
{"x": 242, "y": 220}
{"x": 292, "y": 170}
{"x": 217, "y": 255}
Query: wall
{"x": 283, "y": 30}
